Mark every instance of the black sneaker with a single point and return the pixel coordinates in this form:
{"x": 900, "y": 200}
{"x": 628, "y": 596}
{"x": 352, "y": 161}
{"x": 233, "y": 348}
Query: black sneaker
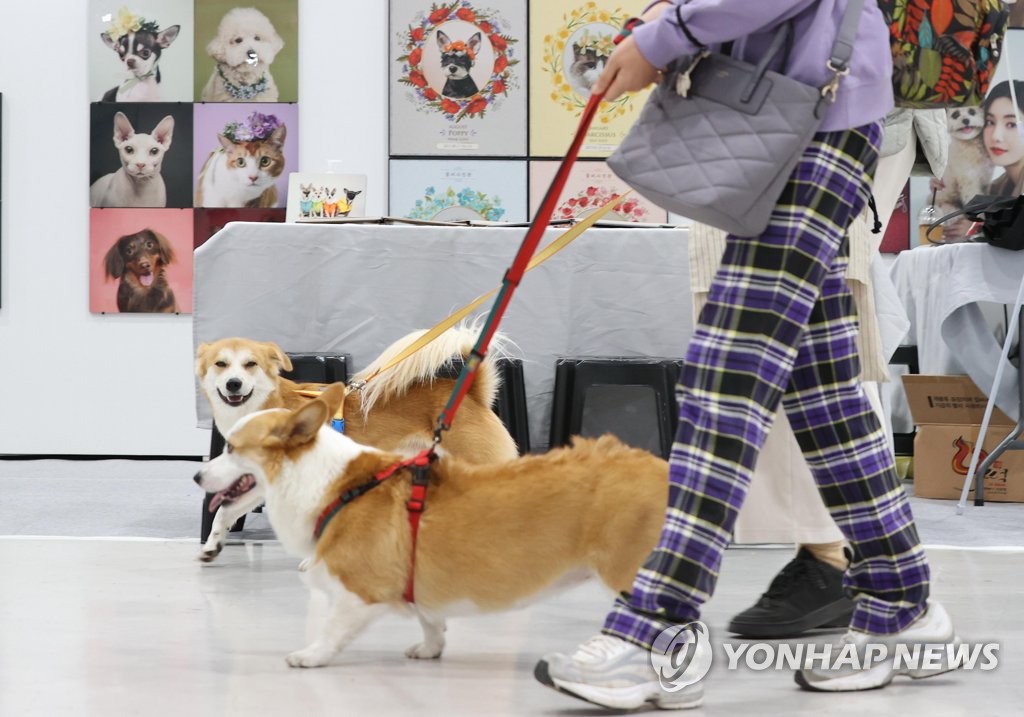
{"x": 806, "y": 594}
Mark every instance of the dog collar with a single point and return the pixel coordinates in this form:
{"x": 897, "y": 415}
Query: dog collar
{"x": 243, "y": 92}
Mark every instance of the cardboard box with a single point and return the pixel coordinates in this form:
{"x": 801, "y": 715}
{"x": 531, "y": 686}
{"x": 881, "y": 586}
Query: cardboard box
{"x": 948, "y": 411}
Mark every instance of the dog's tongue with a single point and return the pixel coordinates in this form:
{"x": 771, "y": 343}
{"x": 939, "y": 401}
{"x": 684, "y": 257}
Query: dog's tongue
{"x": 241, "y": 486}
{"x": 146, "y": 279}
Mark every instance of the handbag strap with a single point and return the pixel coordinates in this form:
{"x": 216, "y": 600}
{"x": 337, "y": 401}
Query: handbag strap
{"x": 839, "y": 58}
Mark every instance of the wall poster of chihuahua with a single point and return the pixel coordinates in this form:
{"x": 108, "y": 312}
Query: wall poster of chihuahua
{"x": 457, "y": 78}
{"x": 140, "y": 50}
{"x": 140, "y": 261}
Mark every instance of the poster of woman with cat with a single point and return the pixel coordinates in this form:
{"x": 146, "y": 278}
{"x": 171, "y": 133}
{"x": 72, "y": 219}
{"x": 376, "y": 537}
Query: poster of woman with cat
{"x": 140, "y": 154}
{"x": 243, "y": 154}
{"x": 457, "y": 78}
{"x": 570, "y": 41}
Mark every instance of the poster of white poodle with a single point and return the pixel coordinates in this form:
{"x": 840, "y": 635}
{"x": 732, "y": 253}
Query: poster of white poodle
{"x": 247, "y": 54}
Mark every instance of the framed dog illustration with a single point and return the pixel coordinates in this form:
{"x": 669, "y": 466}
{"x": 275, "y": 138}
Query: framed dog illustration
{"x": 570, "y": 42}
{"x": 325, "y": 197}
{"x": 457, "y": 78}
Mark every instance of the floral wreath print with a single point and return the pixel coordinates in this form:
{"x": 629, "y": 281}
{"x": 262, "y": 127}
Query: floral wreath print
{"x": 575, "y": 55}
{"x": 457, "y": 206}
{"x": 591, "y": 198}
{"x": 459, "y": 97}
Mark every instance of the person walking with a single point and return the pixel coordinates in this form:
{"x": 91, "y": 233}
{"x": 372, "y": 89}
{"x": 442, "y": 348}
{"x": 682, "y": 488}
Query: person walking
{"x": 778, "y": 329}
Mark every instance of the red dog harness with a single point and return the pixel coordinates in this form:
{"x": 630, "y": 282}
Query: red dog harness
{"x": 420, "y": 465}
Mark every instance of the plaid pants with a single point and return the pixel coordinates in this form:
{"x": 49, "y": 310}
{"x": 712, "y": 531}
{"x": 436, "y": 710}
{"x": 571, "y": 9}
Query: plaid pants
{"x": 780, "y": 325}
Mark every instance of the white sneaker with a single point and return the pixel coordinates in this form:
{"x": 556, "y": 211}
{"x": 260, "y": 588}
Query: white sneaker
{"x": 932, "y": 634}
{"x": 611, "y": 672}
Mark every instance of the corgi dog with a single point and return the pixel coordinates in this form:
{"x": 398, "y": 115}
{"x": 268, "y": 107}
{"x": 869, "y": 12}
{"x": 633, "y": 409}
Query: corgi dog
{"x": 491, "y": 537}
{"x": 239, "y": 376}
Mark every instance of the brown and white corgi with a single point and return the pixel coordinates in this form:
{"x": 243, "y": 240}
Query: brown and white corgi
{"x": 240, "y": 376}
{"x": 491, "y": 538}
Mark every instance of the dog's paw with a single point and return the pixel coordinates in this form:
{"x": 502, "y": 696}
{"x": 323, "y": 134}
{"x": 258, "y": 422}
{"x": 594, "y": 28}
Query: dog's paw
{"x": 208, "y": 554}
{"x": 425, "y": 651}
{"x": 306, "y": 564}
{"x": 312, "y": 656}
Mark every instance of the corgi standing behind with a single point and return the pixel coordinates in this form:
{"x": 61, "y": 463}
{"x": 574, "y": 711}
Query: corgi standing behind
{"x": 240, "y": 376}
{"x": 491, "y": 537}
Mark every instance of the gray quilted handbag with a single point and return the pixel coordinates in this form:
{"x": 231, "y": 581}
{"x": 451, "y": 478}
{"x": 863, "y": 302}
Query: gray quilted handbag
{"x": 717, "y": 140}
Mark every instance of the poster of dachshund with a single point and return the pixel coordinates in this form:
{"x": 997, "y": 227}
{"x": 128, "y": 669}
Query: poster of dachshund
{"x": 141, "y": 261}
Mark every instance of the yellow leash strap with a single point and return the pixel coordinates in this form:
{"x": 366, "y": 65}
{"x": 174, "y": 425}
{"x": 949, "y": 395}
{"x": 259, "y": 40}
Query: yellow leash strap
{"x": 546, "y": 253}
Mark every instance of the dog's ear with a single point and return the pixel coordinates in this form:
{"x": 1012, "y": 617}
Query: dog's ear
{"x": 167, "y": 36}
{"x": 304, "y": 423}
{"x": 277, "y": 357}
{"x": 333, "y": 396}
{"x": 276, "y": 45}
{"x": 202, "y": 358}
{"x": 109, "y": 41}
{"x": 113, "y": 262}
{"x": 166, "y": 248}
{"x": 123, "y": 130}
{"x": 474, "y": 42}
{"x": 217, "y": 49}
{"x": 442, "y": 40}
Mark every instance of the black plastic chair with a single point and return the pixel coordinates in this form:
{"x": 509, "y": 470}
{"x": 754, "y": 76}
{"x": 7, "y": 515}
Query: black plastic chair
{"x": 630, "y": 397}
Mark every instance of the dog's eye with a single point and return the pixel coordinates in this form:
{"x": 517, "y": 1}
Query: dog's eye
{"x": 221, "y": 364}
{"x": 250, "y": 364}
{"x": 228, "y": 448}
{"x": 237, "y": 41}
{"x": 144, "y": 54}
{"x": 256, "y": 38}
{"x": 153, "y": 151}
{"x": 129, "y": 150}
{"x": 264, "y": 161}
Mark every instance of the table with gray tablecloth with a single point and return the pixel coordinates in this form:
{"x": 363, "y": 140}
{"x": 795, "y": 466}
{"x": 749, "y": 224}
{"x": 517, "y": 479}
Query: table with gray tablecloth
{"x": 943, "y": 288}
{"x": 355, "y": 288}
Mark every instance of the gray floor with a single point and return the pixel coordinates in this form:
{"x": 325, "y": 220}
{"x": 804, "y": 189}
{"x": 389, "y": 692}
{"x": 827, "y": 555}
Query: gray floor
{"x": 130, "y": 623}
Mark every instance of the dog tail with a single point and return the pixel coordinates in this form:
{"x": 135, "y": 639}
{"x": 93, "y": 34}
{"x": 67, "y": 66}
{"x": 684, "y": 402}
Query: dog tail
{"x": 435, "y": 357}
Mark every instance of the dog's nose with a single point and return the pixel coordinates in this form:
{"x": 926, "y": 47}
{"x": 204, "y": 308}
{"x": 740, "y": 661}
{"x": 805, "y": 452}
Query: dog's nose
{"x": 131, "y": 63}
{"x": 198, "y": 478}
{"x": 251, "y": 57}
{"x": 234, "y": 384}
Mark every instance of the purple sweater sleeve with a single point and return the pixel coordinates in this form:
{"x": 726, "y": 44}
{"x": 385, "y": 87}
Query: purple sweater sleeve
{"x": 710, "y": 21}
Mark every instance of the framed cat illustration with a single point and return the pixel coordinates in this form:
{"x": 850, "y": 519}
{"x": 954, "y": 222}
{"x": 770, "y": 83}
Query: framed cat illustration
{"x": 244, "y": 153}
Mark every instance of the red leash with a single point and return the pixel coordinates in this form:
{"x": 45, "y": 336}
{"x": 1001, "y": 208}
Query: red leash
{"x": 420, "y": 463}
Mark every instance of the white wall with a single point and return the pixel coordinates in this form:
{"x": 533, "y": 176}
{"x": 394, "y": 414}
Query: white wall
{"x": 75, "y": 383}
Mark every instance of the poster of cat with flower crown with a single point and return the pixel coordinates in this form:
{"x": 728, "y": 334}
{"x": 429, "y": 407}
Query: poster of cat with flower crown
{"x": 457, "y": 78}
